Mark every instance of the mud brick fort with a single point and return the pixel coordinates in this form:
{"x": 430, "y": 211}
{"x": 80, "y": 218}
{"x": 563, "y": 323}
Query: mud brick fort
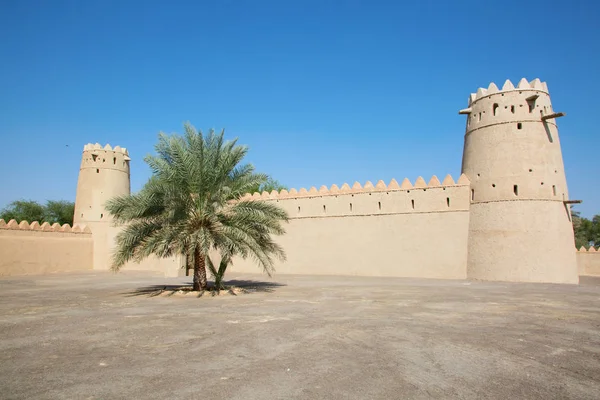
{"x": 506, "y": 218}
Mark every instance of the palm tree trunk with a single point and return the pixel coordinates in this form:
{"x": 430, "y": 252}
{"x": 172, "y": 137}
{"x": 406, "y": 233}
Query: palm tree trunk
{"x": 199, "y": 271}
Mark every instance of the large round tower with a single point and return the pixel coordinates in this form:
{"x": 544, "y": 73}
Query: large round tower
{"x": 520, "y": 224}
{"x": 104, "y": 174}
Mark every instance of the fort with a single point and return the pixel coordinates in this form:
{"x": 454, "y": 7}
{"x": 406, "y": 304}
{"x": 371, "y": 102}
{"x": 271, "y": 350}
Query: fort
{"x": 506, "y": 218}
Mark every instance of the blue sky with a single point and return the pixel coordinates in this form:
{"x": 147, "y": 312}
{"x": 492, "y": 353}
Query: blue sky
{"x": 322, "y": 91}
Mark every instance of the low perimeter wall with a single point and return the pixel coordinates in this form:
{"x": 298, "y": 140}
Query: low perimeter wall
{"x": 406, "y": 230}
{"x": 588, "y": 261}
{"x": 34, "y": 249}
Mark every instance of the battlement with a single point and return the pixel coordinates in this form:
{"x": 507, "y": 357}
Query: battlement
{"x": 356, "y": 188}
{"x": 527, "y": 103}
{"x": 44, "y": 227}
{"x": 107, "y": 147}
{"x": 508, "y": 86}
{"x": 373, "y": 200}
{"x": 97, "y": 157}
{"x": 592, "y": 249}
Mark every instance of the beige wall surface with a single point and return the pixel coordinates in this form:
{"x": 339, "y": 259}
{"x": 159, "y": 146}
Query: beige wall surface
{"x": 33, "y": 249}
{"x": 521, "y": 241}
{"x": 412, "y": 232}
{"x": 105, "y": 234}
{"x": 588, "y": 262}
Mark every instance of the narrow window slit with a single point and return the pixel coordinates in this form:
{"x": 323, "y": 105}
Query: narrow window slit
{"x": 413, "y": 204}
{"x": 350, "y": 207}
{"x": 516, "y": 190}
{"x": 379, "y": 206}
{"x": 472, "y": 194}
{"x": 554, "y": 190}
{"x": 448, "y": 201}
{"x": 519, "y": 125}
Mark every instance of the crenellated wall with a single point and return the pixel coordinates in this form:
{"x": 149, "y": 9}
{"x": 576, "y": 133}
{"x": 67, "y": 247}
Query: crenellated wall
{"x": 588, "y": 261}
{"x": 405, "y": 230}
{"x": 33, "y": 249}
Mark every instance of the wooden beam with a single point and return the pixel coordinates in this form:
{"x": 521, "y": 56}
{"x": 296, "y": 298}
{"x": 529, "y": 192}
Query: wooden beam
{"x": 572, "y": 201}
{"x": 553, "y": 115}
{"x": 466, "y": 111}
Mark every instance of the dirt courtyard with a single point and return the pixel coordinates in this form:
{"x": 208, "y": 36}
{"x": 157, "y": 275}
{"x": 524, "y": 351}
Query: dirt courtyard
{"x": 102, "y": 336}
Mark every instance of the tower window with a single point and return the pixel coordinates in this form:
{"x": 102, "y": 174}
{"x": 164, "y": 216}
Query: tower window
{"x": 448, "y": 201}
{"x": 379, "y": 204}
{"x": 519, "y": 125}
{"x": 324, "y": 208}
{"x": 472, "y": 194}
{"x": 412, "y": 202}
{"x": 512, "y": 109}
{"x": 350, "y": 207}
{"x": 298, "y": 209}
{"x": 114, "y": 160}
{"x": 495, "y": 108}
{"x": 97, "y": 171}
{"x": 94, "y": 156}
{"x": 516, "y": 190}
{"x": 101, "y": 216}
{"x": 554, "y": 190}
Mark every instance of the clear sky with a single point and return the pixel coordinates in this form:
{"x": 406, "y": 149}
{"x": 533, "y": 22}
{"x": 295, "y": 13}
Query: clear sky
{"x": 322, "y": 91}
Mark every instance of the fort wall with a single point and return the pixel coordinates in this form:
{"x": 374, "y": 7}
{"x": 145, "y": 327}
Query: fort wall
{"x": 588, "y": 261}
{"x": 34, "y": 249}
{"x": 405, "y": 230}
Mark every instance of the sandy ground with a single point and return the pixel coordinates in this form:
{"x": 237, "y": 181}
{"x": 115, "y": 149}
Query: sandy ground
{"x": 102, "y": 336}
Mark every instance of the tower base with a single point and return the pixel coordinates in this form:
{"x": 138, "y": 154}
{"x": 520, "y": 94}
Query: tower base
{"x": 521, "y": 241}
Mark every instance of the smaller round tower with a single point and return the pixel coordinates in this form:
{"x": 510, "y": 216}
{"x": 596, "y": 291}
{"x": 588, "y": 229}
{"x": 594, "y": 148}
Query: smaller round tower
{"x": 520, "y": 224}
{"x": 104, "y": 174}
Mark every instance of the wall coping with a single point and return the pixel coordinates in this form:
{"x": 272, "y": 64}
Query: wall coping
{"x": 44, "y": 227}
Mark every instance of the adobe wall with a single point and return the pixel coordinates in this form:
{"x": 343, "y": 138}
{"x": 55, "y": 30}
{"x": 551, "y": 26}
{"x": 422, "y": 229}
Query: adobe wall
{"x": 386, "y": 230}
{"x": 588, "y": 261}
{"x": 42, "y": 249}
{"x": 104, "y": 236}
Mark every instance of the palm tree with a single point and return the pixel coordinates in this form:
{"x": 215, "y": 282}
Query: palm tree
{"x": 193, "y": 204}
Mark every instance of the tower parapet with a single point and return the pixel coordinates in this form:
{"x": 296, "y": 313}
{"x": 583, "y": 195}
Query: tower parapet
{"x": 520, "y": 228}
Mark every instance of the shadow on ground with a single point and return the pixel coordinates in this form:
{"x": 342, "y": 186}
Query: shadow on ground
{"x": 249, "y": 286}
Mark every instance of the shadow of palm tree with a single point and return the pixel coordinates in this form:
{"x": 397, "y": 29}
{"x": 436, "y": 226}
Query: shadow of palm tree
{"x": 248, "y": 286}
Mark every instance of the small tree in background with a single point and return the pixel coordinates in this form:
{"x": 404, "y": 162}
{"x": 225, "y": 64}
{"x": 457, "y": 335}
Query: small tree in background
{"x": 193, "y": 204}
{"x": 29, "y": 210}
{"x": 587, "y": 232}
{"x": 60, "y": 211}
{"x": 268, "y": 185}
